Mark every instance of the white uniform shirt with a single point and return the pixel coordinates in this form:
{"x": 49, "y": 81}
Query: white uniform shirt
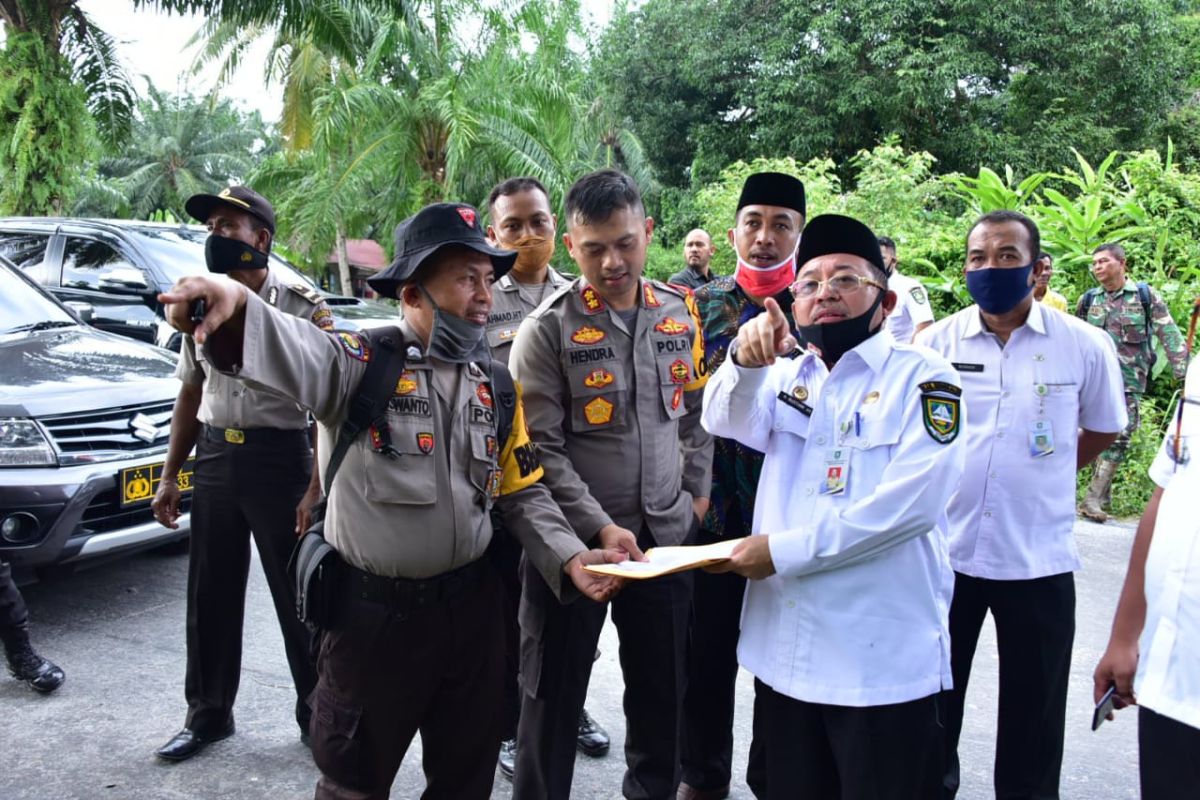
{"x": 912, "y": 307}
{"x": 857, "y": 611}
{"x": 1012, "y": 515}
{"x": 1168, "y": 674}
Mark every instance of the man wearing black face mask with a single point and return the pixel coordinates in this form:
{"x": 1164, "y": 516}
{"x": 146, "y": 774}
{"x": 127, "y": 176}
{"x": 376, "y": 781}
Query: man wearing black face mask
{"x": 253, "y": 476}
{"x": 844, "y": 624}
{"x": 415, "y": 642}
{"x": 1045, "y": 397}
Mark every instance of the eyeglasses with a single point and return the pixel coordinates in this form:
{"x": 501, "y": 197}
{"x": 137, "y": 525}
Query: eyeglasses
{"x": 839, "y": 285}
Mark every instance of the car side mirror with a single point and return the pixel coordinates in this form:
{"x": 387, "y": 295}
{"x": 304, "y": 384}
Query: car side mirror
{"x": 85, "y": 311}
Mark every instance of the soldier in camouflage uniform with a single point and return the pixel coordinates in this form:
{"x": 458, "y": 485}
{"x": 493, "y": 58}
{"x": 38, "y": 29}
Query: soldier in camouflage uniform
{"x": 1133, "y": 314}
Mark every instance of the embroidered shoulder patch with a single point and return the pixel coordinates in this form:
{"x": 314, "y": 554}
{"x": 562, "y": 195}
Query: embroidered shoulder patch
{"x": 354, "y": 345}
{"x": 940, "y": 407}
{"x": 918, "y": 294}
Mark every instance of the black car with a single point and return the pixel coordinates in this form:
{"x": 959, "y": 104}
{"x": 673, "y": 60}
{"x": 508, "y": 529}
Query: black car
{"x": 118, "y": 267}
{"x": 84, "y": 421}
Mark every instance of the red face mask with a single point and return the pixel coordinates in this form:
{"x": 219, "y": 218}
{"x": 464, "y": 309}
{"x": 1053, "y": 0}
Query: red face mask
{"x": 766, "y": 281}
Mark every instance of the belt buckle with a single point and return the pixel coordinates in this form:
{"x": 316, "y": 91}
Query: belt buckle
{"x": 234, "y": 436}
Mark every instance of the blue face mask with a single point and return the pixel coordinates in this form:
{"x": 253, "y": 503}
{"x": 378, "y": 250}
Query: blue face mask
{"x": 1000, "y": 290}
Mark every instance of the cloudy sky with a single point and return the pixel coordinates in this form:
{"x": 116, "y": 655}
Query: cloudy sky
{"x": 154, "y": 44}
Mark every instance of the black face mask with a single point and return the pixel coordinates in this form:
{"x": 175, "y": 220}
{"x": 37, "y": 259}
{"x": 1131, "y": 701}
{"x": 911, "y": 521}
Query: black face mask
{"x": 455, "y": 339}
{"x": 838, "y": 338}
{"x": 223, "y": 255}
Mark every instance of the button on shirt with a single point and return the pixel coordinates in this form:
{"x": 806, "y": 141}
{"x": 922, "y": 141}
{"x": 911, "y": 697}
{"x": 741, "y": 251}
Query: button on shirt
{"x": 1168, "y": 674}
{"x": 511, "y": 303}
{"x": 912, "y": 307}
{"x": 857, "y": 611}
{"x": 1012, "y": 515}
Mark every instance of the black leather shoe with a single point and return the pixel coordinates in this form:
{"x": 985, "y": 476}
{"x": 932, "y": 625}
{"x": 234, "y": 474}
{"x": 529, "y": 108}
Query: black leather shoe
{"x": 188, "y": 743}
{"x": 592, "y": 740}
{"x": 687, "y": 792}
{"x": 42, "y": 674}
{"x": 508, "y": 758}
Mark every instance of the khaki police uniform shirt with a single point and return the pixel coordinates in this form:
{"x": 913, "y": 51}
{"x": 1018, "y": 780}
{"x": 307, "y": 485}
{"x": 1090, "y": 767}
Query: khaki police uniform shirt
{"x": 616, "y": 413}
{"x": 424, "y": 511}
{"x": 228, "y": 403}
{"x": 511, "y": 303}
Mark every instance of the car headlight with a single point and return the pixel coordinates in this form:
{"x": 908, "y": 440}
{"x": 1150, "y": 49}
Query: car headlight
{"x": 22, "y": 444}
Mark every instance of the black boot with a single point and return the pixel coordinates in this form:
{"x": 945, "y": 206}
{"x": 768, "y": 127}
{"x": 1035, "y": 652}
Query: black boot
{"x": 26, "y": 665}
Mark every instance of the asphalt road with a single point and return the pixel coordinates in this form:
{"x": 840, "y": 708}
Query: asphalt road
{"x": 117, "y": 630}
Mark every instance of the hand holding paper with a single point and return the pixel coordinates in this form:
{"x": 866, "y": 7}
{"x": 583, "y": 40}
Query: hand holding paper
{"x": 666, "y": 560}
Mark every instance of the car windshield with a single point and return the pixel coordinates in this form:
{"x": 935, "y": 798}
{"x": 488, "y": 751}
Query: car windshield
{"x": 23, "y": 308}
{"x": 180, "y": 252}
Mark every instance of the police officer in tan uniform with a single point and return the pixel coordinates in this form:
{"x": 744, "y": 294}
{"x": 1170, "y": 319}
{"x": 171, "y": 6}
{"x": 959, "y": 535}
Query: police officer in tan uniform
{"x": 521, "y": 220}
{"x": 611, "y": 366}
{"x": 418, "y": 642}
{"x": 253, "y": 475}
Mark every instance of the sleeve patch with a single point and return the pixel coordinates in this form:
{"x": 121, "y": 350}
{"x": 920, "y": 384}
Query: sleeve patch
{"x": 932, "y": 387}
{"x": 918, "y": 294}
{"x": 941, "y": 416}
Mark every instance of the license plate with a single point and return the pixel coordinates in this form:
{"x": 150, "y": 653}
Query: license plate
{"x": 138, "y": 484}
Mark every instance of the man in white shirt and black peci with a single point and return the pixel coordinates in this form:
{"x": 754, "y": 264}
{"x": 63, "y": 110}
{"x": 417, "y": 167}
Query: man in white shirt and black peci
{"x": 845, "y": 619}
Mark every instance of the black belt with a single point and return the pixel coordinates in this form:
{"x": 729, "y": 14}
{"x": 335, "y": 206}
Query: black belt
{"x": 407, "y": 594}
{"x": 252, "y": 435}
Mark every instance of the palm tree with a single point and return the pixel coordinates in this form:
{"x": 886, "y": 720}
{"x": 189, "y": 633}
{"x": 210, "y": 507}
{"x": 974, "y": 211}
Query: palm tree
{"x": 180, "y": 146}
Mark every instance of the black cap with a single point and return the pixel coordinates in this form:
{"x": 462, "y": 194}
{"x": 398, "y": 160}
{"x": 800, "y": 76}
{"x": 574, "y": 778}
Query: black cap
{"x": 429, "y": 230}
{"x": 772, "y": 189}
{"x": 834, "y": 233}
{"x": 242, "y": 198}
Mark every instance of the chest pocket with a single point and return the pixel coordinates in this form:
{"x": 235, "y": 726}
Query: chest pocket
{"x": 485, "y": 451}
{"x": 1133, "y": 327}
{"x": 791, "y": 420}
{"x": 599, "y": 395}
{"x": 675, "y": 370}
{"x": 877, "y": 428}
{"x": 408, "y": 477}
{"x": 1056, "y": 397}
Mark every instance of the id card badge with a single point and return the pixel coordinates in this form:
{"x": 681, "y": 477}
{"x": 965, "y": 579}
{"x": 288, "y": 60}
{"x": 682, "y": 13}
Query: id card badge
{"x": 1041, "y": 438}
{"x": 837, "y": 471}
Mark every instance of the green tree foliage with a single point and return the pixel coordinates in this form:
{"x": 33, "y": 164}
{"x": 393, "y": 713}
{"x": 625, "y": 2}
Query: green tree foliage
{"x": 707, "y": 82}
{"x": 181, "y": 145}
{"x": 44, "y": 128}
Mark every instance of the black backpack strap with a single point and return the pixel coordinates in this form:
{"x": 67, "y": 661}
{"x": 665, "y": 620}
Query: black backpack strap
{"x": 506, "y": 401}
{"x": 1085, "y": 302}
{"x": 374, "y": 391}
{"x": 1143, "y": 290}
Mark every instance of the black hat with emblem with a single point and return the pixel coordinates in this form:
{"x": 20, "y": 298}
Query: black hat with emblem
{"x": 772, "y": 189}
{"x": 242, "y": 198}
{"x": 835, "y": 233}
{"x": 428, "y": 231}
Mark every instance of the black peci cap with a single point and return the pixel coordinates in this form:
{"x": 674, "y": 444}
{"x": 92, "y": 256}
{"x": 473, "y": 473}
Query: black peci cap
{"x": 834, "y": 233}
{"x": 429, "y": 230}
{"x": 772, "y": 189}
{"x": 242, "y": 198}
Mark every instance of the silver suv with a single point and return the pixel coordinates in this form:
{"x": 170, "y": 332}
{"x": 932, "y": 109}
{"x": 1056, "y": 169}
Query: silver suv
{"x": 84, "y": 420}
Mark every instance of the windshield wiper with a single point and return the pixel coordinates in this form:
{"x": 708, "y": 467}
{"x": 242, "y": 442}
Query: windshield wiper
{"x": 45, "y": 324}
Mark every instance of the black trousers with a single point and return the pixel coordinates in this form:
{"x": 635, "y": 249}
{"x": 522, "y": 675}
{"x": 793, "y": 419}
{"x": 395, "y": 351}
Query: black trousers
{"x": 242, "y": 490}
{"x": 707, "y": 743}
{"x": 827, "y": 752}
{"x": 1035, "y": 630}
{"x": 652, "y": 621}
{"x": 386, "y": 674}
{"x": 12, "y": 606}
{"x": 1169, "y": 756}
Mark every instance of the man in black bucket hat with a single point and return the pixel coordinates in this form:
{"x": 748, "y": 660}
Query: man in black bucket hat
{"x": 416, "y": 642}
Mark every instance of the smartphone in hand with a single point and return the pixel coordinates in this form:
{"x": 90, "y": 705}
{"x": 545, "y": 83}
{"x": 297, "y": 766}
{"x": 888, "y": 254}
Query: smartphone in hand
{"x": 1107, "y": 704}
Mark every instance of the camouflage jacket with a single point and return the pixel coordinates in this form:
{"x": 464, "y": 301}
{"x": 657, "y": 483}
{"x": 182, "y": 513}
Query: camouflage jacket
{"x": 1122, "y": 315}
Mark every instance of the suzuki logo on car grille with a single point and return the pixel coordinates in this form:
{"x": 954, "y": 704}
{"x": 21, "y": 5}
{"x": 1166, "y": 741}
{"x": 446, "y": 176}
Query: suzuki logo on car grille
{"x": 144, "y": 428}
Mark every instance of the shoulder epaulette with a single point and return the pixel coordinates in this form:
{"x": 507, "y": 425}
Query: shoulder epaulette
{"x": 307, "y": 292}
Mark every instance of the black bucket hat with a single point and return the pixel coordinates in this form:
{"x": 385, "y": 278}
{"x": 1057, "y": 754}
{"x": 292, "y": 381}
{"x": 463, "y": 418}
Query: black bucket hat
{"x": 242, "y": 198}
{"x": 428, "y": 231}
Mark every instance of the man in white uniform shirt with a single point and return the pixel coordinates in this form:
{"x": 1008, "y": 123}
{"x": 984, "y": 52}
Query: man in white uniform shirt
{"x": 845, "y": 619}
{"x": 913, "y": 313}
{"x": 1160, "y": 603}
{"x": 1045, "y": 398}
